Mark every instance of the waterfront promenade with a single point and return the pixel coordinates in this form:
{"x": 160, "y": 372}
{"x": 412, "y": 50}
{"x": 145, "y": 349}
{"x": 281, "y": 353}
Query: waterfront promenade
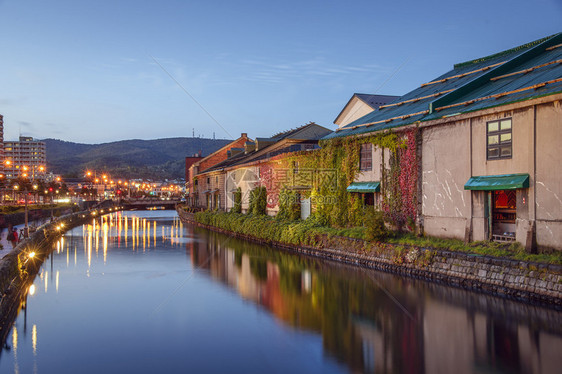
{"x": 7, "y": 245}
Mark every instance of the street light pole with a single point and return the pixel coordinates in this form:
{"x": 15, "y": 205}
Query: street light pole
{"x": 26, "y": 230}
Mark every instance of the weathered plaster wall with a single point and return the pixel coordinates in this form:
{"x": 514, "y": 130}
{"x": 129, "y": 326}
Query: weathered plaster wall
{"x": 247, "y": 178}
{"x": 549, "y": 175}
{"x": 209, "y": 182}
{"x": 375, "y": 174}
{"x": 522, "y": 161}
{"x": 479, "y": 220}
{"x": 445, "y": 163}
{"x": 522, "y": 144}
{"x": 356, "y": 109}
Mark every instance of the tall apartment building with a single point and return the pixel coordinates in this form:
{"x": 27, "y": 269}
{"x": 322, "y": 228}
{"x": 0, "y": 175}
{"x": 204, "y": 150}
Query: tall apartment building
{"x": 1, "y": 146}
{"x": 25, "y": 158}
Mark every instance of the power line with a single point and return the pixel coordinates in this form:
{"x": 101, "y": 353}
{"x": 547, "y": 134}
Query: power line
{"x": 386, "y": 81}
{"x": 190, "y": 95}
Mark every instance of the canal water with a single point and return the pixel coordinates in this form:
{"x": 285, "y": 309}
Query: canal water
{"x": 139, "y": 292}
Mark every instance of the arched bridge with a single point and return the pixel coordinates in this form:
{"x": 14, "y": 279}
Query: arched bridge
{"x": 137, "y": 204}
{"x": 145, "y": 204}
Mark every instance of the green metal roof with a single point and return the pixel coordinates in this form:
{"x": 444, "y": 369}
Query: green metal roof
{"x": 363, "y": 187}
{"x": 497, "y": 182}
{"x": 474, "y": 85}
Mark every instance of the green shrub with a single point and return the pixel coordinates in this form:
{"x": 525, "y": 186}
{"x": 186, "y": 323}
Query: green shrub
{"x": 375, "y": 228}
{"x": 237, "y": 207}
{"x": 258, "y": 201}
{"x": 309, "y": 231}
{"x": 289, "y": 205}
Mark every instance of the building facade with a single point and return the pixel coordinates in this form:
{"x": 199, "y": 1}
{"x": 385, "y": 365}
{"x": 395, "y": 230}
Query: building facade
{"x": 248, "y": 165}
{"x": 486, "y": 147}
{"x": 202, "y": 191}
{"x": 25, "y": 158}
{"x": 477, "y": 188}
{"x": 2, "y": 147}
{"x": 262, "y": 165}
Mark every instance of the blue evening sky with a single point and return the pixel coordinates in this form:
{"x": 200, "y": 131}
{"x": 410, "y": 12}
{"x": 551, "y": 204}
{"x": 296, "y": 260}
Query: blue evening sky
{"x": 89, "y": 71}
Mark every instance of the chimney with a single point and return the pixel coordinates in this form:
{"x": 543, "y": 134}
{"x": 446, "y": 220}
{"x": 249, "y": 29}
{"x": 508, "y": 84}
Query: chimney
{"x": 261, "y": 143}
{"x": 235, "y": 151}
{"x": 249, "y": 147}
{"x": 244, "y": 135}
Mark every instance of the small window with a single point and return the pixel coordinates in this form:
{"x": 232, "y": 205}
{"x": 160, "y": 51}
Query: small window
{"x": 208, "y": 180}
{"x": 498, "y": 139}
{"x": 366, "y": 157}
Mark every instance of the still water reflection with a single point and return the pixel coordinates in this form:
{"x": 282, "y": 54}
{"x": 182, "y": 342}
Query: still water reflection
{"x": 140, "y": 292}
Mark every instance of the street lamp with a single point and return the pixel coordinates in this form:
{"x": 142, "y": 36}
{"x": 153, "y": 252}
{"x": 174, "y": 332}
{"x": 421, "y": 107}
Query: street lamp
{"x": 16, "y": 188}
{"x": 26, "y": 230}
{"x": 2, "y": 179}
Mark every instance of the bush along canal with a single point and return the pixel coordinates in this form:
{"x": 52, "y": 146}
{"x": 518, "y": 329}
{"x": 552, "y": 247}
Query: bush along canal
{"x": 521, "y": 280}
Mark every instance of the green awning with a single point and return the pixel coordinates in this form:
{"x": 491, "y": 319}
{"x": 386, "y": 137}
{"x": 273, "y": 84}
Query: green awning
{"x": 363, "y": 187}
{"x": 498, "y": 182}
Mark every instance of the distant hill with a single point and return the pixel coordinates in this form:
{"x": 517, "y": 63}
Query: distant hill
{"x": 154, "y": 159}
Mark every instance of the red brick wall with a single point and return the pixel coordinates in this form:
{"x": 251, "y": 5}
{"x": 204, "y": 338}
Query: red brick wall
{"x": 188, "y": 162}
{"x": 221, "y": 156}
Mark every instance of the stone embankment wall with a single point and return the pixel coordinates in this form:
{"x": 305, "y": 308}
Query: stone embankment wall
{"x": 516, "y": 279}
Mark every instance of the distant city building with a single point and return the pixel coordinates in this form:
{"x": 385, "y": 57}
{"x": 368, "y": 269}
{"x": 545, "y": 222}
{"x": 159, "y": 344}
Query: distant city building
{"x": 2, "y": 146}
{"x": 25, "y": 158}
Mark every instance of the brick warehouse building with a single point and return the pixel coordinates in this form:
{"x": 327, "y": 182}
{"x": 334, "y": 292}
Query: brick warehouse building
{"x": 197, "y": 191}
{"x": 489, "y": 132}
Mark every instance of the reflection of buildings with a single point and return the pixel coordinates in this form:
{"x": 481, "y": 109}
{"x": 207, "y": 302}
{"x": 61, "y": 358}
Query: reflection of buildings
{"x": 454, "y": 339}
{"x": 476, "y": 342}
{"x": 253, "y": 280}
{"x": 425, "y": 329}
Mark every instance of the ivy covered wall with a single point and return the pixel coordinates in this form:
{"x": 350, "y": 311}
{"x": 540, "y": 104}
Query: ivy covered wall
{"x": 328, "y": 171}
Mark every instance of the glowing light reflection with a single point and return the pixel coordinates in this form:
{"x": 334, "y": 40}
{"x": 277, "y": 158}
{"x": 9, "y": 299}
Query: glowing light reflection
{"x": 148, "y": 235}
{"x": 126, "y": 229}
{"x": 143, "y": 234}
{"x": 34, "y": 339}
{"x": 105, "y": 240}
{"x": 15, "y": 340}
